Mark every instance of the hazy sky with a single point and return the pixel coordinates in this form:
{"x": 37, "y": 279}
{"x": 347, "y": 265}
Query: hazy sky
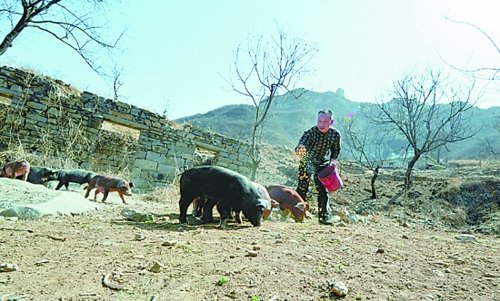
{"x": 176, "y": 53}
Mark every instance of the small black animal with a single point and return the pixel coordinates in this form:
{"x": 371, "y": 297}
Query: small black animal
{"x": 80, "y": 176}
{"x": 41, "y": 175}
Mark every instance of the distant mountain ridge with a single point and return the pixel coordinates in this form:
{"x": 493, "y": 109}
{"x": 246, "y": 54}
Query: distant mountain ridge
{"x": 289, "y": 117}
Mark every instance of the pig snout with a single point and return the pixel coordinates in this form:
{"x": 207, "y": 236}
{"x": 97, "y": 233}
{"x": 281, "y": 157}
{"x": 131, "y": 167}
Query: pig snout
{"x": 126, "y": 190}
{"x": 258, "y": 212}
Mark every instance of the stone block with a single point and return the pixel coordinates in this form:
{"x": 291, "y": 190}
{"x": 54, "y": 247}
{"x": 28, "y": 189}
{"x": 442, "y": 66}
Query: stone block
{"x": 165, "y": 168}
{"x": 54, "y": 112}
{"x": 140, "y": 155}
{"x": 154, "y": 156}
{"x": 145, "y": 164}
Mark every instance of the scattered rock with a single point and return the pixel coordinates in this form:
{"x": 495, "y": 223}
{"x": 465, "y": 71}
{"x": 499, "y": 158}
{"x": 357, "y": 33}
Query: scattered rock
{"x": 251, "y": 253}
{"x": 336, "y": 219}
{"x": 338, "y": 288}
{"x": 353, "y": 218}
{"x": 140, "y": 237}
{"x": 375, "y": 218}
{"x": 344, "y": 215}
{"x": 169, "y": 243}
{"x": 8, "y": 267}
{"x": 40, "y": 262}
{"x": 107, "y": 283}
{"x": 466, "y": 238}
{"x": 156, "y": 267}
{"x": 21, "y": 212}
{"x": 135, "y": 216}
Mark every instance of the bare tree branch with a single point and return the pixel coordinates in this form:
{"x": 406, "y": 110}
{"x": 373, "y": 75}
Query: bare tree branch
{"x": 70, "y": 25}
{"x": 488, "y": 73}
{"x": 265, "y": 69}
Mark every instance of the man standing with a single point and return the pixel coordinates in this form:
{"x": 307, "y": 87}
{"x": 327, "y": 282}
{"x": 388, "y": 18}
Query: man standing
{"x": 318, "y": 147}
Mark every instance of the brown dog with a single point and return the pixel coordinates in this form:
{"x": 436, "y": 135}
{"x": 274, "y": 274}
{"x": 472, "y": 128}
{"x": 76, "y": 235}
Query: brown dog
{"x": 16, "y": 168}
{"x": 107, "y": 184}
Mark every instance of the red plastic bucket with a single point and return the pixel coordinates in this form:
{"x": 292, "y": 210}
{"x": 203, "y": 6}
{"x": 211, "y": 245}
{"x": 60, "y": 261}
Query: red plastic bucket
{"x": 330, "y": 178}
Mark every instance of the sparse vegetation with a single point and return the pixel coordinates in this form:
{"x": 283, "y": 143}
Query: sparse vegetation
{"x": 222, "y": 281}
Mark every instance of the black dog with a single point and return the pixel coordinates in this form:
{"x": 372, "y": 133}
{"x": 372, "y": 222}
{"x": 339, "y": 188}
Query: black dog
{"x": 232, "y": 191}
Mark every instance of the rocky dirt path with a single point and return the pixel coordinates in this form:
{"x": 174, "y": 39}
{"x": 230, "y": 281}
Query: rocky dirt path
{"x": 67, "y": 257}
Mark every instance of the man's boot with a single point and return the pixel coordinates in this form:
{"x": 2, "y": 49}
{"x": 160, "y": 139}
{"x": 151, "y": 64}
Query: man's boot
{"x": 326, "y": 212}
{"x": 320, "y": 214}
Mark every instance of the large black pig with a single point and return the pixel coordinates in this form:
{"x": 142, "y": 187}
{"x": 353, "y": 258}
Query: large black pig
{"x": 232, "y": 191}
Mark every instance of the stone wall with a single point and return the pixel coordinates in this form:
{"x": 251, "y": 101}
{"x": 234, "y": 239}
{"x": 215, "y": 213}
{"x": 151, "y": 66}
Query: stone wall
{"x": 47, "y": 116}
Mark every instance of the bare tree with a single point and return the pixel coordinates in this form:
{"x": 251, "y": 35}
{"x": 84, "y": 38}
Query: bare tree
{"x": 167, "y": 104}
{"x": 265, "y": 69}
{"x": 117, "y": 82}
{"x": 429, "y": 112}
{"x": 488, "y": 148}
{"x": 364, "y": 145}
{"x": 67, "y": 21}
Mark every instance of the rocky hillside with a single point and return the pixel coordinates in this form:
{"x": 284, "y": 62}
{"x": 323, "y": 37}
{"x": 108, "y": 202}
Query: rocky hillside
{"x": 290, "y": 117}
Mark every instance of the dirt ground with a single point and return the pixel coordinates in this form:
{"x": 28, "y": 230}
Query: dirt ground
{"x": 410, "y": 247}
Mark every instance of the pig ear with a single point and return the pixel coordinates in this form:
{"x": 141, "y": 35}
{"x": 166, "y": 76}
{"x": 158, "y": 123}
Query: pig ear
{"x": 264, "y": 203}
{"x": 300, "y": 206}
{"x": 267, "y": 204}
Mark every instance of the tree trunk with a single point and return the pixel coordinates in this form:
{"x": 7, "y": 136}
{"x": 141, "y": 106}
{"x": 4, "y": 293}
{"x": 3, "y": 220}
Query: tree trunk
{"x": 255, "y": 165}
{"x": 28, "y": 13}
{"x": 254, "y": 154}
{"x": 409, "y": 170}
{"x": 375, "y": 175}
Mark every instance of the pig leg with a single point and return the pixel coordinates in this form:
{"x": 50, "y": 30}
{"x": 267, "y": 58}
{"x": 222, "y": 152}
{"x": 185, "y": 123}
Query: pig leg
{"x": 59, "y": 185}
{"x": 237, "y": 216}
{"x": 122, "y": 197}
{"x": 25, "y": 176}
{"x": 198, "y": 203}
{"x": 224, "y": 211}
{"x": 106, "y": 192}
{"x": 208, "y": 209}
{"x": 184, "y": 203}
{"x": 13, "y": 174}
{"x": 95, "y": 194}
{"x": 88, "y": 190}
